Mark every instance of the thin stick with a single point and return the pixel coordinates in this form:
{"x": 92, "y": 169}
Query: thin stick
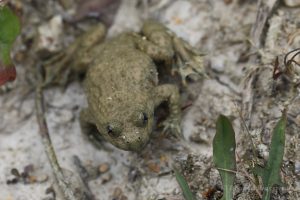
{"x": 266, "y": 8}
{"x": 85, "y": 176}
{"x": 64, "y": 185}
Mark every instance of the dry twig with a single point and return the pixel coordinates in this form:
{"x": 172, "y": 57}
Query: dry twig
{"x": 64, "y": 185}
{"x": 265, "y": 11}
{"x": 44, "y": 133}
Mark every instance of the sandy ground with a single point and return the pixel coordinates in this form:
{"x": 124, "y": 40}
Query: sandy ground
{"x": 221, "y": 31}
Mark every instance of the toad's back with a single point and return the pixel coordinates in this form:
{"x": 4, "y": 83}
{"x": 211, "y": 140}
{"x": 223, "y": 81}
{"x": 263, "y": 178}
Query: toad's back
{"x": 119, "y": 66}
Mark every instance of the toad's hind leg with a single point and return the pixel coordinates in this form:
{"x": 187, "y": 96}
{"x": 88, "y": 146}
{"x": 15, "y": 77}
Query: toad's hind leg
{"x": 156, "y": 42}
{"x": 76, "y": 58}
{"x": 89, "y": 129}
{"x": 170, "y": 93}
{"x": 161, "y": 44}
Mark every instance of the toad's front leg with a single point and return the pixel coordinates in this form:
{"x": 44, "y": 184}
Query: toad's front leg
{"x": 170, "y": 93}
{"x": 89, "y": 129}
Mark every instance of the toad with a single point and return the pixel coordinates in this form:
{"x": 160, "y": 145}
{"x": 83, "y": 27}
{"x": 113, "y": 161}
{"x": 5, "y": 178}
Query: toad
{"x": 121, "y": 82}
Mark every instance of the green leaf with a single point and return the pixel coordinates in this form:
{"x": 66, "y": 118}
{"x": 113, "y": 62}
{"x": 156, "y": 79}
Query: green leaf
{"x": 270, "y": 174}
{"x": 224, "y": 154}
{"x": 9, "y": 30}
{"x": 187, "y": 193}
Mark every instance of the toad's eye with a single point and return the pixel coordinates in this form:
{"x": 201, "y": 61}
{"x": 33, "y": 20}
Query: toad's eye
{"x": 145, "y": 118}
{"x": 142, "y": 119}
{"x": 109, "y": 129}
{"x": 113, "y": 130}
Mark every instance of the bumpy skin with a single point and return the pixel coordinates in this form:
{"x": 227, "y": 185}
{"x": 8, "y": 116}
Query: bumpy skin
{"x": 122, "y": 86}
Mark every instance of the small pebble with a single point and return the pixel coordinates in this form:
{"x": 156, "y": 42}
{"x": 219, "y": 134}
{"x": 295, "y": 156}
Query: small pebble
{"x": 154, "y": 167}
{"x": 263, "y": 151}
{"x": 117, "y": 192}
{"x": 103, "y": 168}
{"x": 31, "y": 179}
{"x": 106, "y": 178}
{"x": 176, "y": 191}
{"x": 42, "y": 178}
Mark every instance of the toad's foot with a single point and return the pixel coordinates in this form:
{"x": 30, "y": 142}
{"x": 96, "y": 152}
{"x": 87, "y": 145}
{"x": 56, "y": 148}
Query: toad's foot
{"x": 170, "y": 93}
{"x": 189, "y": 62}
{"x": 172, "y": 126}
{"x": 57, "y": 70}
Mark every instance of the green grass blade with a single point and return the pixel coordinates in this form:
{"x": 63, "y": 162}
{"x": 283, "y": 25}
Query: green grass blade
{"x": 271, "y": 173}
{"x": 187, "y": 193}
{"x": 224, "y": 154}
